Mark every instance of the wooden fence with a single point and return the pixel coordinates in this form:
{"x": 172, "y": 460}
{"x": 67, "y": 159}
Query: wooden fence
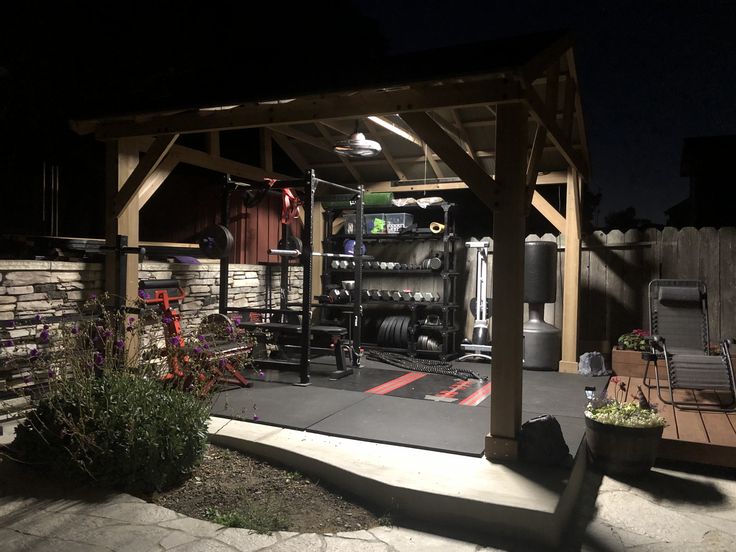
{"x": 616, "y": 268}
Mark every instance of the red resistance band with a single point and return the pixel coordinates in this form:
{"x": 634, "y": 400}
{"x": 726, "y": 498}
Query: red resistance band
{"x": 290, "y": 202}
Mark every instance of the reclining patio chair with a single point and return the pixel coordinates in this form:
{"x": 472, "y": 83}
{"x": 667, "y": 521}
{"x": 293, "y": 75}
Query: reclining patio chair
{"x": 678, "y": 318}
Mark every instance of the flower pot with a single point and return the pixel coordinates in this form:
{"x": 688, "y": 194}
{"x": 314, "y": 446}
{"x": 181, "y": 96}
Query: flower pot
{"x": 619, "y": 450}
{"x": 629, "y": 363}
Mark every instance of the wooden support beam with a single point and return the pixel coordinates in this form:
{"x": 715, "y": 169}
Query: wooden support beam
{"x": 546, "y": 57}
{"x": 571, "y": 282}
{"x": 212, "y": 143}
{"x": 463, "y": 134}
{"x": 549, "y": 212}
{"x": 553, "y": 178}
{"x": 220, "y": 164}
{"x": 568, "y": 109}
{"x": 411, "y": 137}
{"x": 400, "y": 174}
{"x": 291, "y": 152}
{"x": 151, "y": 159}
{"x": 156, "y": 179}
{"x": 508, "y": 277}
{"x": 266, "y": 149}
{"x": 318, "y": 143}
{"x": 345, "y": 162}
{"x": 453, "y": 155}
{"x": 548, "y": 120}
{"x": 420, "y": 97}
{"x": 579, "y": 119}
{"x": 121, "y": 162}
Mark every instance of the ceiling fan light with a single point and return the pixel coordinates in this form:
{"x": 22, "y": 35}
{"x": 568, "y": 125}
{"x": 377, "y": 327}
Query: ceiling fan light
{"x": 357, "y": 146}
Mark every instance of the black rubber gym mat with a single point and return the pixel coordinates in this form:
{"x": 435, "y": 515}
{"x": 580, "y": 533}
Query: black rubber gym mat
{"x": 556, "y": 393}
{"x": 422, "y": 424}
{"x": 283, "y": 405}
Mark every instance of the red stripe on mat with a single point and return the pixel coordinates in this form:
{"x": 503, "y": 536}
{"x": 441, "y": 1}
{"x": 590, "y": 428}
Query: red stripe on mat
{"x": 394, "y": 384}
{"x": 476, "y": 398}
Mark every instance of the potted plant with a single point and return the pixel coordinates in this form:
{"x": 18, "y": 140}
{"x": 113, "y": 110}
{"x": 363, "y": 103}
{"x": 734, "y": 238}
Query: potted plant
{"x": 622, "y": 437}
{"x": 626, "y": 357}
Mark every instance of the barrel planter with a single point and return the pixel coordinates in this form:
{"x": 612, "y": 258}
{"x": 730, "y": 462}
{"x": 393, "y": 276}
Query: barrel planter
{"x": 619, "y": 450}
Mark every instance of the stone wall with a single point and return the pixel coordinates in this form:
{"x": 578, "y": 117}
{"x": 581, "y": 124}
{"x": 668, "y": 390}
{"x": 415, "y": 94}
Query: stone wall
{"x": 51, "y": 288}
{"x": 54, "y": 288}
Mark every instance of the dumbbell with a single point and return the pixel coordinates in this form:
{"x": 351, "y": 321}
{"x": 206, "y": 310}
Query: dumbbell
{"x": 396, "y": 295}
{"x": 365, "y": 295}
{"x": 404, "y": 266}
{"x": 343, "y": 264}
{"x": 407, "y": 295}
{"x": 435, "y": 296}
{"x": 418, "y": 296}
{"x": 335, "y": 264}
{"x": 383, "y": 265}
{"x": 386, "y": 295}
{"x": 375, "y": 295}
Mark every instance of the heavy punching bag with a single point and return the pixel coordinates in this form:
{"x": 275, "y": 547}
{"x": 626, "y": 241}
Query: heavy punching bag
{"x": 542, "y": 341}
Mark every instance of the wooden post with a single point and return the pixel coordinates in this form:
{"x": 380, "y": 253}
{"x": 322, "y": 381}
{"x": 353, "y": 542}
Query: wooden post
{"x": 122, "y": 159}
{"x": 571, "y": 277}
{"x": 508, "y": 277}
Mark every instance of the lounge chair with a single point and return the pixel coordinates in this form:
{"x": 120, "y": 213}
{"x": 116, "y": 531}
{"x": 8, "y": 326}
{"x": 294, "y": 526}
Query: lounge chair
{"x": 678, "y": 318}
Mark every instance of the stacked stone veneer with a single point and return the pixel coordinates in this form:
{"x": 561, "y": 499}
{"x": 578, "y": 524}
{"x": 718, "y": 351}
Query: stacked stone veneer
{"x": 28, "y": 288}
{"x": 51, "y": 288}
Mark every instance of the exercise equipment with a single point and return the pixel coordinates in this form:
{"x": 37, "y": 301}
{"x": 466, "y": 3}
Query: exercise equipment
{"x": 421, "y": 365}
{"x": 479, "y": 345}
{"x": 216, "y": 241}
{"x": 168, "y": 294}
{"x": 542, "y": 341}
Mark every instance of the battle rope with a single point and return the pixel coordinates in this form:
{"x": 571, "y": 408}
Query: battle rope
{"x": 421, "y": 365}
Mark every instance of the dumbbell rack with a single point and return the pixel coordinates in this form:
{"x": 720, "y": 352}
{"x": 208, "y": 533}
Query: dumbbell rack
{"x": 441, "y": 304}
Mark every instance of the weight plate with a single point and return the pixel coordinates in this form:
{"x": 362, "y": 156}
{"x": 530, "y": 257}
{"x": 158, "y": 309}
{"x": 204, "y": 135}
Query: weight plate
{"x": 390, "y": 331}
{"x": 399, "y": 331}
{"x": 216, "y": 242}
{"x": 382, "y": 331}
{"x": 404, "y": 333}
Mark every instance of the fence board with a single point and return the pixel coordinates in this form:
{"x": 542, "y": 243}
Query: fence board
{"x": 727, "y": 286}
{"x": 616, "y": 322}
{"x": 651, "y": 260}
{"x": 668, "y": 261}
{"x": 687, "y": 253}
{"x": 708, "y": 272}
{"x": 633, "y": 277}
{"x": 595, "y": 320}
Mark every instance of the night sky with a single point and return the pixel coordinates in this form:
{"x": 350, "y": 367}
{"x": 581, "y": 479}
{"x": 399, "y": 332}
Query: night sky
{"x": 651, "y": 72}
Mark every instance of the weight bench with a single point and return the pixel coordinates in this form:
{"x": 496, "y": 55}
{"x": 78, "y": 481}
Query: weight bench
{"x": 168, "y": 294}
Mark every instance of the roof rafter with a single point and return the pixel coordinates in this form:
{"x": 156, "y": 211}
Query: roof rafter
{"x": 477, "y": 179}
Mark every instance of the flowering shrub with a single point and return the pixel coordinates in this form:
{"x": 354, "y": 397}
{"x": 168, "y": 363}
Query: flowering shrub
{"x": 118, "y": 397}
{"x": 635, "y": 340}
{"x": 636, "y": 413}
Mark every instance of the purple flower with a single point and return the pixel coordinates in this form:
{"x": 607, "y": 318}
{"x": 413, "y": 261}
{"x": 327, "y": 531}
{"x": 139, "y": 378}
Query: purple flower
{"x": 37, "y": 318}
{"x": 201, "y": 338}
{"x": 229, "y": 330}
{"x": 142, "y": 294}
{"x": 52, "y": 373}
{"x": 255, "y": 417}
{"x": 236, "y": 320}
{"x": 120, "y": 344}
{"x": 43, "y": 337}
{"x": 12, "y": 324}
{"x": 8, "y": 343}
{"x": 206, "y": 346}
{"x": 261, "y": 374}
{"x": 45, "y": 326}
{"x": 74, "y": 330}
{"x": 92, "y": 296}
{"x": 222, "y": 363}
{"x": 167, "y": 320}
{"x": 98, "y": 358}
{"x": 106, "y": 334}
{"x": 175, "y": 341}
{"x": 198, "y": 350}
{"x": 34, "y": 353}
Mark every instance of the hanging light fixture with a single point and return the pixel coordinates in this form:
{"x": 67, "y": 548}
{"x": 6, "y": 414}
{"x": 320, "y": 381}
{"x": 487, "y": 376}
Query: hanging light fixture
{"x": 357, "y": 146}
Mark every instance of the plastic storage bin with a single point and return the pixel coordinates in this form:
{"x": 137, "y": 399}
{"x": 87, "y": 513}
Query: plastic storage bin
{"x": 375, "y": 223}
{"x": 395, "y": 222}
{"x": 350, "y": 224}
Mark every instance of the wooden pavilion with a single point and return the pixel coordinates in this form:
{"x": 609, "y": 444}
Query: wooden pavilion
{"x": 499, "y": 118}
